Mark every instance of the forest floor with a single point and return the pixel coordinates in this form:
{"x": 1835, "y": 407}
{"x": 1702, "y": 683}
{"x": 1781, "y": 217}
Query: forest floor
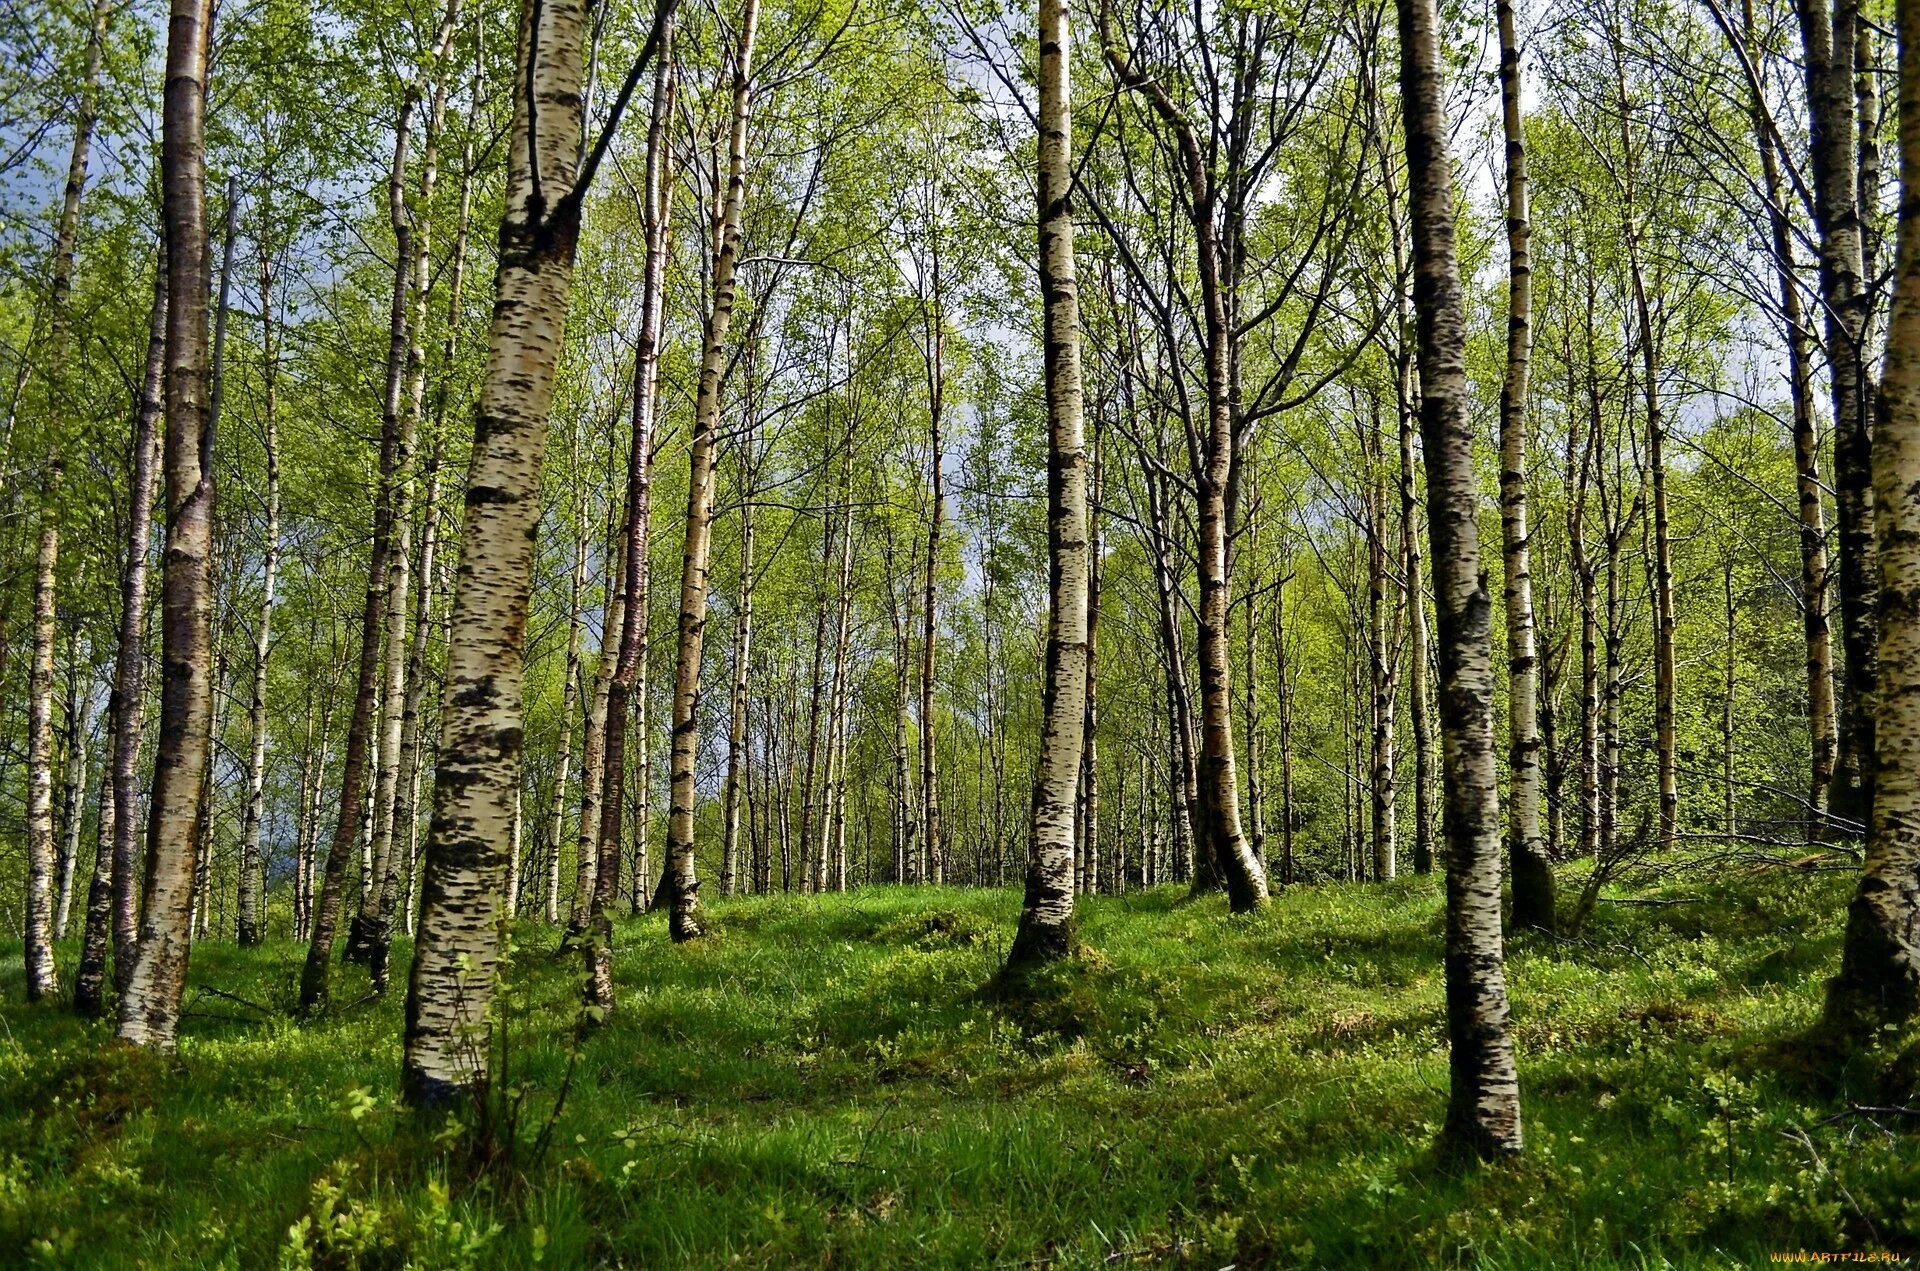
{"x": 821, "y": 1082}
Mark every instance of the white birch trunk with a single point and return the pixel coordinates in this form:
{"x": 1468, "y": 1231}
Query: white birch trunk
{"x": 1046, "y": 917}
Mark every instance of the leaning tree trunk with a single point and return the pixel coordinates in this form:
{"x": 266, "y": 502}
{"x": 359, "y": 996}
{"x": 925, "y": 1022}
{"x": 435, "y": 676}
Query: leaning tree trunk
{"x": 628, "y": 682}
{"x": 113, "y": 897}
{"x": 354, "y": 791}
{"x": 150, "y": 1003}
{"x": 457, "y": 952}
{"x": 1046, "y": 916}
{"x": 1879, "y": 980}
{"x": 682, "y": 885}
{"x": 412, "y": 731}
{"x": 372, "y": 930}
{"x": 1483, "y": 1114}
{"x": 1526, "y": 851}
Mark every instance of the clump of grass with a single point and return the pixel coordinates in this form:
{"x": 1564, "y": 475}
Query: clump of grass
{"x": 939, "y": 928}
{"x": 829, "y": 1083}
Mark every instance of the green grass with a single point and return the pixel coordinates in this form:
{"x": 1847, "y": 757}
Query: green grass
{"x": 822, "y": 1082}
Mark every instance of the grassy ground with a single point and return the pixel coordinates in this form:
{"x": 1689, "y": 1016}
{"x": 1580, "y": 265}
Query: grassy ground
{"x": 821, "y": 1083}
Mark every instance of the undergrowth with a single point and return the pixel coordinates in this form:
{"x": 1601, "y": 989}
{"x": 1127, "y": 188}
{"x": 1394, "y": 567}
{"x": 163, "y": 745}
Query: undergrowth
{"x": 824, "y": 1080}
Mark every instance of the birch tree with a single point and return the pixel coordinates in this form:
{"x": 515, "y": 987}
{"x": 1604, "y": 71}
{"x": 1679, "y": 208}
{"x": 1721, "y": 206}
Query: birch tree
{"x": 477, "y": 780}
{"x": 1483, "y": 1110}
{"x": 1045, "y": 932}
{"x": 150, "y": 1000}
{"x": 1879, "y": 979}
{"x": 681, "y": 883}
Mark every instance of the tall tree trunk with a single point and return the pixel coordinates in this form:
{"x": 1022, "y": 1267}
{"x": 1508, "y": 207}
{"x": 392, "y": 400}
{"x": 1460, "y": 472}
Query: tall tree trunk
{"x": 199, "y": 925}
{"x": 842, "y": 691}
{"x": 593, "y": 744}
{"x": 1215, "y": 480}
{"x": 406, "y": 816}
{"x": 1822, "y": 725}
{"x": 569, "y": 694}
{"x": 628, "y": 683}
{"x": 1419, "y": 699}
{"x": 42, "y": 978}
{"x": 113, "y": 897}
{"x": 737, "y": 739}
{"x": 413, "y": 733}
{"x": 1283, "y": 672}
{"x": 592, "y": 858}
{"x": 932, "y": 843}
{"x": 1729, "y": 689}
{"x": 302, "y": 833}
{"x": 1582, "y": 455}
{"x": 1384, "y": 665}
{"x": 252, "y": 899}
{"x": 1256, "y": 747}
{"x": 150, "y": 1001}
{"x": 1879, "y": 980}
{"x": 1090, "y": 738}
{"x": 1526, "y": 850}
{"x": 812, "y": 846}
{"x": 1828, "y": 32}
{"x": 1483, "y": 1113}
{"x": 905, "y": 807}
{"x": 516, "y": 830}
{"x": 372, "y": 933}
{"x": 1189, "y": 825}
{"x": 395, "y": 453}
{"x": 1046, "y": 917}
{"x": 457, "y": 952}
{"x": 682, "y": 884}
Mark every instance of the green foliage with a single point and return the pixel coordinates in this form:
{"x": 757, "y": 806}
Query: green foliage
{"x": 823, "y": 1080}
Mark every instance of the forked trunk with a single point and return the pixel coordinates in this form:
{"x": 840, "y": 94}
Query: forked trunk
{"x": 457, "y": 952}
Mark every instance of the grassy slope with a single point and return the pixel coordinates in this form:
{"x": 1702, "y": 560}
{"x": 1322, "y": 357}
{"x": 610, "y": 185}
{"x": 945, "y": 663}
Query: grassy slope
{"x": 819, "y": 1082}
